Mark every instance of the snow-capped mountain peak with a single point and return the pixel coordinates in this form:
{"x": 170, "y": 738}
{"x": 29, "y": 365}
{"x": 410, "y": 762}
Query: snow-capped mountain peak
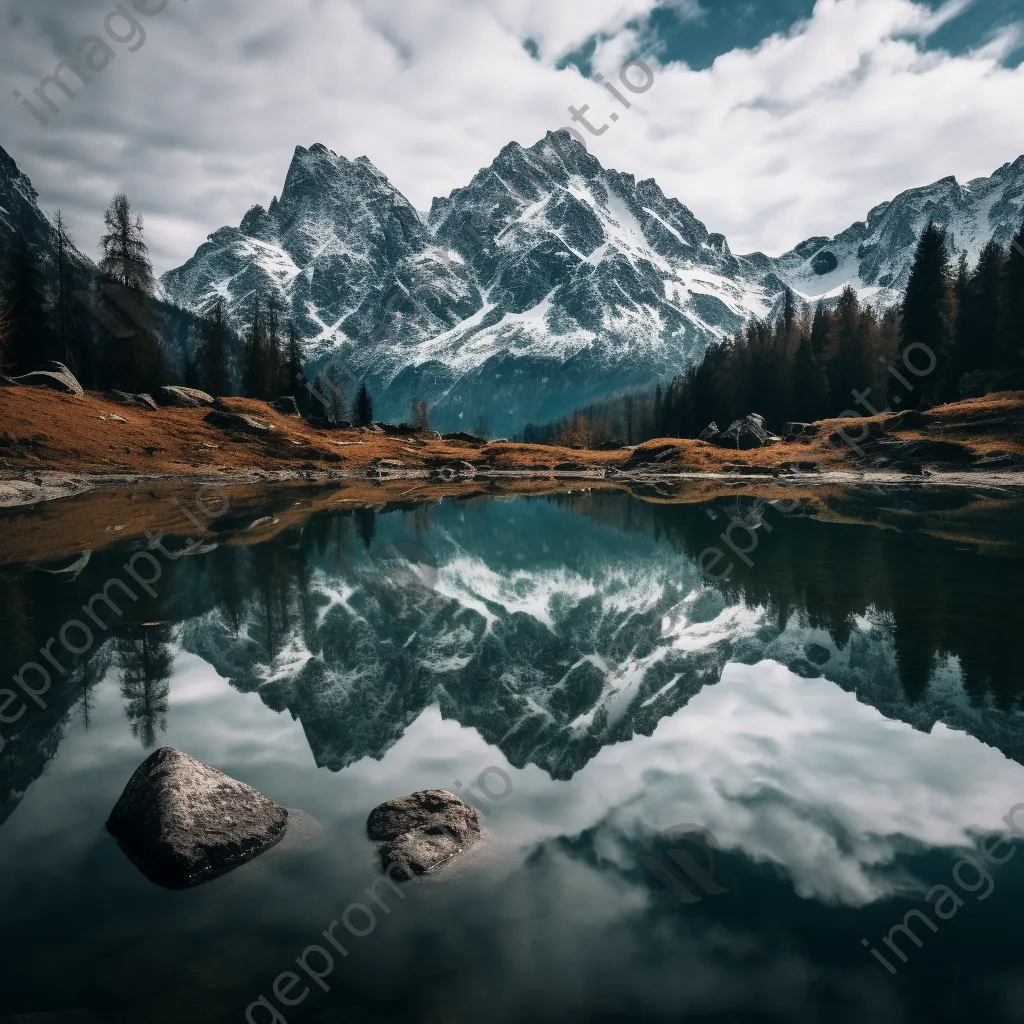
{"x": 546, "y": 282}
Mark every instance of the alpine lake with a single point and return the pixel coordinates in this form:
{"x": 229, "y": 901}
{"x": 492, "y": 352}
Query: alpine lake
{"x": 791, "y": 793}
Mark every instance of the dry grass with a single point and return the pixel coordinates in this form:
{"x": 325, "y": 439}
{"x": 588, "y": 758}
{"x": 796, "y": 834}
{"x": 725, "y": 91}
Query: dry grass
{"x": 42, "y": 429}
{"x": 175, "y": 451}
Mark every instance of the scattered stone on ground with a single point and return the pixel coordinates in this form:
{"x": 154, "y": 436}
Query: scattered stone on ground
{"x": 55, "y": 376}
{"x": 243, "y": 421}
{"x": 141, "y": 401}
{"x": 182, "y": 398}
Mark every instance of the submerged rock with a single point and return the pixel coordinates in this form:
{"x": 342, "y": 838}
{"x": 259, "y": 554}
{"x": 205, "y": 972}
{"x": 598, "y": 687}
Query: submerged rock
{"x": 182, "y": 822}
{"x": 423, "y": 830}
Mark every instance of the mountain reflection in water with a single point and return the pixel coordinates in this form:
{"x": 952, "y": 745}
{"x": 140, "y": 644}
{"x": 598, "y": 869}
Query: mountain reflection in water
{"x": 780, "y": 709}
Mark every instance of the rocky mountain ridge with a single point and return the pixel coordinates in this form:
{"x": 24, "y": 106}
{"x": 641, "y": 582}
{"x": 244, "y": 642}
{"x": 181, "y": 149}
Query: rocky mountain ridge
{"x": 545, "y": 282}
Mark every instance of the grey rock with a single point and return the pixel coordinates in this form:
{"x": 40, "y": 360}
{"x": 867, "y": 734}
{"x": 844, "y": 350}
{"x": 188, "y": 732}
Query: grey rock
{"x": 795, "y": 430}
{"x": 423, "y": 830}
{"x": 239, "y": 421}
{"x": 182, "y": 822}
{"x": 141, "y": 401}
{"x": 386, "y": 469}
{"x": 182, "y": 398}
{"x": 710, "y": 432}
{"x": 55, "y": 376}
{"x": 286, "y": 405}
{"x": 749, "y": 432}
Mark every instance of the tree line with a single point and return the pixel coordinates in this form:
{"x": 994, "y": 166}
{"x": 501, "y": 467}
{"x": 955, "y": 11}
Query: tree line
{"x": 957, "y": 333}
{"x": 113, "y": 332}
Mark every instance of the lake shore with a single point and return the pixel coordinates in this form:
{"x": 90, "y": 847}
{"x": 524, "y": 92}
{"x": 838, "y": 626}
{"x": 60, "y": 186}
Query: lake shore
{"x": 119, "y": 471}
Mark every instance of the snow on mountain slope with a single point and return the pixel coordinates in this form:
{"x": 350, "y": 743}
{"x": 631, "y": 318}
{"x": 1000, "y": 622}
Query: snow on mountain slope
{"x": 876, "y": 255}
{"x": 20, "y": 212}
{"x": 547, "y": 282}
{"x": 332, "y": 251}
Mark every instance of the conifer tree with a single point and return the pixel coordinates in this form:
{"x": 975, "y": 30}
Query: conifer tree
{"x": 987, "y": 288}
{"x": 275, "y": 363}
{"x": 293, "y": 366}
{"x": 212, "y": 358}
{"x": 805, "y": 381}
{"x": 63, "y": 333}
{"x": 819, "y": 332}
{"x": 927, "y": 317}
{"x": 847, "y": 363}
{"x": 364, "y": 408}
{"x": 29, "y": 340}
{"x": 255, "y": 374}
{"x": 337, "y": 411}
{"x": 1013, "y": 303}
{"x": 419, "y": 414}
{"x": 133, "y": 355}
{"x": 962, "y": 356}
{"x": 146, "y": 660}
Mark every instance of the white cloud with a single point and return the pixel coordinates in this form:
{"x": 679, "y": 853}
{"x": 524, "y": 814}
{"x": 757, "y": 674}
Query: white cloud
{"x": 799, "y": 136}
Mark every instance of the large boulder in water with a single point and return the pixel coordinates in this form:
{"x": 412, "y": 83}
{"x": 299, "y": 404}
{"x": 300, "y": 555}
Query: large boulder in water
{"x": 182, "y": 822}
{"x": 423, "y": 830}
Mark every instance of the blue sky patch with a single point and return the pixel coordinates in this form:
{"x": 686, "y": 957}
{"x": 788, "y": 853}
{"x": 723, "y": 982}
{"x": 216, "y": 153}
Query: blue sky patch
{"x": 682, "y": 32}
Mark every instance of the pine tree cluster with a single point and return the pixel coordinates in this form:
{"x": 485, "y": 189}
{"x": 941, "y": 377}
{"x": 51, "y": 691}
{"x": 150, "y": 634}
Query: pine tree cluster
{"x": 956, "y": 334}
{"x": 110, "y": 329}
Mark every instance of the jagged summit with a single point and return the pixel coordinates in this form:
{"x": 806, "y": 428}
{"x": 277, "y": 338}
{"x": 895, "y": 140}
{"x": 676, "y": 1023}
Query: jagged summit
{"x": 545, "y": 282}
{"x": 19, "y": 211}
{"x": 875, "y": 255}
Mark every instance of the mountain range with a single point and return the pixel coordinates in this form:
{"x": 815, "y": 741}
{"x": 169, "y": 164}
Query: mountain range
{"x": 546, "y": 282}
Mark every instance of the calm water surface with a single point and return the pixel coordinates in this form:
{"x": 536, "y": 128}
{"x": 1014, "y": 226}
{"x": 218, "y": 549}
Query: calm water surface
{"x": 841, "y": 717}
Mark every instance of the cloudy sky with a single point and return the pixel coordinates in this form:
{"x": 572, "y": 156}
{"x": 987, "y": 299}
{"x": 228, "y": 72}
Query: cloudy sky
{"x": 772, "y": 120}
